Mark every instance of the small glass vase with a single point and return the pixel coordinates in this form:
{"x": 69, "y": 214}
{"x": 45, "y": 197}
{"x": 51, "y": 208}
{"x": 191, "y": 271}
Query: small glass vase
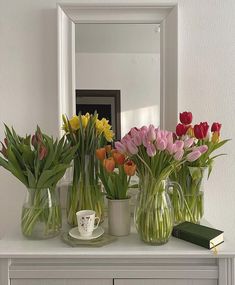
{"x": 85, "y": 192}
{"x": 154, "y": 214}
{"x": 191, "y": 180}
{"x": 41, "y": 214}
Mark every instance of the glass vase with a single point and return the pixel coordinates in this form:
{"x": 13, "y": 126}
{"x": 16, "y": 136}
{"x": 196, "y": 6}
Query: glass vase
{"x": 154, "y": 214}
{"x": 41, "y": 214}
{"x": 85, "y": 193}
{"x": 191, "y": 180}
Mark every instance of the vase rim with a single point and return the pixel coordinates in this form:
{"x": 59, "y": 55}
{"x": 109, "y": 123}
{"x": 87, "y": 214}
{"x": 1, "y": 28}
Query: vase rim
{"x": 119, "y": 200}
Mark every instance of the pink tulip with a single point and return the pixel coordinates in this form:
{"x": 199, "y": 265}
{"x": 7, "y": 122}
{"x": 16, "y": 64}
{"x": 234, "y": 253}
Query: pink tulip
{"x": 132, "y": 148}
{"x": 194, "y": 155}
{"x": 137, "y": 139}
{"x": 120, "y": 147}
{"x": 151, "y": 150}
{"x": 161, "y": 144}
{"x": 171, "y": 148}
{"x": 146, "y": 141}
{"x": 179, "y": 145}
{"x": 151, "y": 135}
{"x": 133, "y": 132}
{"x": 188, "y": 142}
{"x": 202, "y": 148}
{"x": 179, "y": 154}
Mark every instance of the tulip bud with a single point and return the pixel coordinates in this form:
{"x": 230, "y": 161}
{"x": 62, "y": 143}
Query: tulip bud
{"x": 151, "y": 135}
{"x": 181, "y": 130}
{"x": 186, "y": 118}
{"x": 179, "y": 145}
{"x": 179, "y": 154}
{"x": 200, "y": 131}
{"x": 130, "y": 168}
{"x": 161, "y": 144}
{"x": 132, "y": 148}
{"x": 202, "y": 148}
{"x": 42, "y": 152}
{"x": 194, "y": 155}
{"x": 109, "y": 164}
{"x": 101, "y": 153}
{"x": 151, "y": 150}
{"x": 119, "y": 158}
{"x": 3, "y": 150}
{"x": 215, "y": 137}
{"x": 34, "y": 141}
{"x": 188, "y": 142}
{"x": 120, "y": 147}
{"x": 216, "y": 127}
{"x": 137, "y": 139}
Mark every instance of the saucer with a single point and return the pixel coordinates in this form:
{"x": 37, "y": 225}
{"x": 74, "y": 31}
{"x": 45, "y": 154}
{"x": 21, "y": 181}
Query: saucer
{"x": 96, "y": 233}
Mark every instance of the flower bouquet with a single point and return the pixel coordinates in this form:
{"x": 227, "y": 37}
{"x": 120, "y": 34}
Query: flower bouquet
{"x": 39, "y": 162}
{"x": 115, "y": 173}
{"x": 156, "y": 155}
{"x": 87, "y": 133}
{"x": 190, "y": 174}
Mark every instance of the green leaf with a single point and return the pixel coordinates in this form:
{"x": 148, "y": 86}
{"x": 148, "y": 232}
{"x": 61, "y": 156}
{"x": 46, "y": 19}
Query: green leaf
{"x": 31, "y": 179}
{"x": 4, "y": 163}
{"x": 196, "y": 172}
{"x": 48, "y": 174}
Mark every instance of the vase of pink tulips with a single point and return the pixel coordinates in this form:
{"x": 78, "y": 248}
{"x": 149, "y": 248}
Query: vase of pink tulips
{"x": 191, "y": 175}
{"x": 156, "y": 154}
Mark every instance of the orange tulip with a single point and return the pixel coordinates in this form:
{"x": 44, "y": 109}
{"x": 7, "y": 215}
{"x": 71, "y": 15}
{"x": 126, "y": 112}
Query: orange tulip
{"x": 101, "y": 153}
{"x": 109, "y": 164}
{"x": 130, "y": 168}
{"x": 119, "y": 158}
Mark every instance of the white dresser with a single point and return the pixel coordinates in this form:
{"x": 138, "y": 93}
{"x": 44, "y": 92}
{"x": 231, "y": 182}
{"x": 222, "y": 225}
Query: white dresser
{"x": 127, "y": 261}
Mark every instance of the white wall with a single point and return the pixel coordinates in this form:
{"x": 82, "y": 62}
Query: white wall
{"x": 136, "y": 75}
{"x": 28, "y": 89}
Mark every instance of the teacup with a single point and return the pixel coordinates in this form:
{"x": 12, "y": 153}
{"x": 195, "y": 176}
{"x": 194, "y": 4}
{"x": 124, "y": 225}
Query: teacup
{"x": 86, "y": 222}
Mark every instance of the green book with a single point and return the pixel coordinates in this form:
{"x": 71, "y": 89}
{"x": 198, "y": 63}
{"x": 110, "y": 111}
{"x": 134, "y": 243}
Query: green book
{"x": 198, "y": 234}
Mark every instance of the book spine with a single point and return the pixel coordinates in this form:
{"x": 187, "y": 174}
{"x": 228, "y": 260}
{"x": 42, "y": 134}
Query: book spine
{"x": 198, "y": 240}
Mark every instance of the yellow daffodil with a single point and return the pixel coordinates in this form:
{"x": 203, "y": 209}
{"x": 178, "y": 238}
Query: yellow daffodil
{"x": 85, "y": 120}
{"x": 74, "y": 122}
{"x": 99, "y": 126}
{"x": 108, "y": 134}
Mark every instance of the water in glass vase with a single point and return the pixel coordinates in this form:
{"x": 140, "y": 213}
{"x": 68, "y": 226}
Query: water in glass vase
{"x": 41, "y": 214}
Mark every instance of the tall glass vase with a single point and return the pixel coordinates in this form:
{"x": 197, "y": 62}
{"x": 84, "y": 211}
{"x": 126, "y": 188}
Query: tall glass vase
{"x": 85, "y": 192}
{"x": 154, "y": 214}
{"x": 192, "y": 181}
{"x": 41, "y": 214}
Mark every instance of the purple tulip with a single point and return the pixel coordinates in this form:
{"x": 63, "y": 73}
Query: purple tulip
{"x": 194, "y": 155}
{"x": 151, "y": 150}
{"x": 132, "y": 148}
{"x": 179, "y": 145}
{"x": 120, "y": 147}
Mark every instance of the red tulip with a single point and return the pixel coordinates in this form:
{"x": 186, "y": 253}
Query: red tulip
{"x": 181, "y": 130}
{"x": 216, "y": 127}
{"x": 201, "y": 130}
{"x": 130, "y": 168}
{"x": 109, "y": 164}
{"x": 186, "y": 118}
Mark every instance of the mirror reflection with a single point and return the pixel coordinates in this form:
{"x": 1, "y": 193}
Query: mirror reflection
{"x": 125, "y": 59}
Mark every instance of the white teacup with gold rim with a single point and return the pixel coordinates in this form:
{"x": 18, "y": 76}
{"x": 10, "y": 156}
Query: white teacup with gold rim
{"x": 87, "y": 222}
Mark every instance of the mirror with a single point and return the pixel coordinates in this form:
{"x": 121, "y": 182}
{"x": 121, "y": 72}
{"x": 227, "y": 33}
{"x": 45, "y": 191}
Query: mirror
{"x": 124, "y": 59}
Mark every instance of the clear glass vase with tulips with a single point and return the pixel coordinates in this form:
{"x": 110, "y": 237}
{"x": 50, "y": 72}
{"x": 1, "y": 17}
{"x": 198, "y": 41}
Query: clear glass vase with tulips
{"x": 86, "y": 132}
{"x": 191, "y": 174}
{"x": 39, "y": 162}
{"x": 156, "y": 154}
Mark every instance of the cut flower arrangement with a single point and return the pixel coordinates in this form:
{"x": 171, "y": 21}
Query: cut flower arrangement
{"x": 39, "y": 162}
{"x": 204, "y": 141}
{"x": 115, "y": 172}
{"x": 156, "y": 154}
{"x": 87, "y": 133}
